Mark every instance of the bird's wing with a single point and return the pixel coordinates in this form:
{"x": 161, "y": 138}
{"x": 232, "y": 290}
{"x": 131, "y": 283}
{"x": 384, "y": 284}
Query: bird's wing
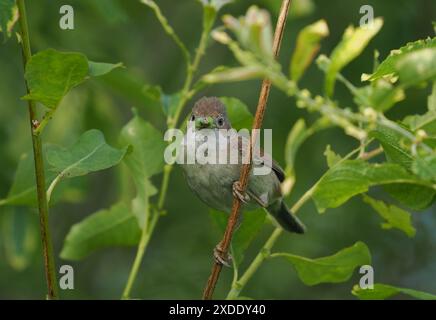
{"x": 263, "y": 158}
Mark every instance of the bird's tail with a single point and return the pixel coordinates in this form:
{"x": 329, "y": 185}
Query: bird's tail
{"x": 285, "y": 217}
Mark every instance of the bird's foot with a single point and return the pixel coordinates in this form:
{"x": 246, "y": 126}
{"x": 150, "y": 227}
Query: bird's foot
{"x": 237, "y": 192}
{"x": 220, "y": 257}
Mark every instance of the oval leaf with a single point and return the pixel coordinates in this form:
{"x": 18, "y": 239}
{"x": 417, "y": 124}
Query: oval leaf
{"x": 332, "y": 157}
{"x": 23, "y": 189}
{"x": 417, "y": 66}
{"x": 393, "y": 147}
{"x": 50, "y": 74}
{"x": 307, "y": 47}
{"x": 384, "y": 291}
{"x": 353, "y": 42}
{"x": 97, "y": 69}
{"x": 20, "y": 236}
{"x": 145, "y": 160}
{"x": 352, "y": 177}
{"x": 395, "y": 217}
{"x": 148, "y": 146}
{"x": 332, "y": 269}
{"x": 105, "y": 228}
{"x": 388, "y": 66}
{"x": 425, "y": 167}
{"x": 238, "y": 113}
{"x": 90, "y": 153}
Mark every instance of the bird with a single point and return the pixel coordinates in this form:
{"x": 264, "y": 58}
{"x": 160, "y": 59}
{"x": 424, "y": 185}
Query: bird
{"x": 216, "y": 183}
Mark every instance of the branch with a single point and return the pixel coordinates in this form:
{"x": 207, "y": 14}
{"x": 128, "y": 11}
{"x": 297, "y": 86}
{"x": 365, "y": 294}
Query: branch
{"x": 261, "y": 107}
{"x": 49, "y": 263}
{"x": 169, "y": 30}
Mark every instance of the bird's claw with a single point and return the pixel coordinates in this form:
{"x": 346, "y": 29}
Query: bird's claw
{"x": 238, "y": 193}
{"x": 218, "y": 254}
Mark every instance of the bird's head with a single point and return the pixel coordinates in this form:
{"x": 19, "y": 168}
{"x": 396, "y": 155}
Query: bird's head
{"x": 209, "y": 113}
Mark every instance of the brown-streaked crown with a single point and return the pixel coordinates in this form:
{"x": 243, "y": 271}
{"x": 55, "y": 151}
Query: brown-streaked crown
{"x": 209, "y": 106}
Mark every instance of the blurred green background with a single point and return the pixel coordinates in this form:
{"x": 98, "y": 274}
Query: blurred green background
{"x": 178, "y": 259}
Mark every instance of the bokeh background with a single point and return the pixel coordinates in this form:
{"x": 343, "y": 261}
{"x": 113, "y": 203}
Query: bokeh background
{"x": 178, "y": 259}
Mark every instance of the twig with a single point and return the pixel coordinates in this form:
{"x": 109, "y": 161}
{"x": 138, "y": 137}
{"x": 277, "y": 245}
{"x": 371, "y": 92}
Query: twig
{"x": 263, "y": 97}
{"x": 49, "y": 263}
{"x": 145, "y": 238}
{"x": 371, "y": 154}
{"x": 169, "y": 30}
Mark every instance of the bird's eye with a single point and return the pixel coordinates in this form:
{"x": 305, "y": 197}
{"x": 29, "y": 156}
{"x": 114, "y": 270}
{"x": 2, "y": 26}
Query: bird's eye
{"x": 193, "y": 118}
{"x": 220, "y": 121}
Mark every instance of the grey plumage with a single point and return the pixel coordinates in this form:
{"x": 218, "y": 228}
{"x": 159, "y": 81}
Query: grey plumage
{"x": 213, "y": 183}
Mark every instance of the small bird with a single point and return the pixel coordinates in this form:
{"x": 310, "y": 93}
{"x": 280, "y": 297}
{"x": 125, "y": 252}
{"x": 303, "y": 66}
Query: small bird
{"x": 217, "y": 183}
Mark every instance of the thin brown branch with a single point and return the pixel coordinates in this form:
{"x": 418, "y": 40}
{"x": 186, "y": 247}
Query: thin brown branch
{"x": 257, "y": 124}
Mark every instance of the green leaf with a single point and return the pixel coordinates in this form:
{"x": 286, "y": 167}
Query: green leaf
{"x": 145, "y": 160}
{"x": 384, "y": 291}
{"x": 353, "y": 42}
{"x": 253, "y": 31}
{"x": 332, "y": 157}
{"x": 332, "y": 269}
{"x": 388, "y": 67}
{"x": 8, "y": 16}
{"x": 233, "y": 74}
{"x": 416, "y": 67}
{"x": 300, "y": 8}
{"x": 296, "y": 137}
{"x": 251, "y": 223}
{"x": 381, "y": 95}
{"x": 238, "y": 113}
{"x": 20, "y": 236}
{"x": 425, "y": 167}
{"x": 308, "y": 44}
{"x": 395, "y": 217}
{"x": 298, "y": 134}
{"x": 216, "y": 4}
{"x": 131, "y": 87}
{"x": 427, "y": 121}
{"x": 97, "y": 69}
{"x": 50, "y": 74}
{"x": 105, "y": 228}
{"x": 393, "y": 147}
{"x": 352, "y": 177}
{"x": 23, "y": 189}
{"x": 414, "y": 196}
{"x": 89, "y": 154}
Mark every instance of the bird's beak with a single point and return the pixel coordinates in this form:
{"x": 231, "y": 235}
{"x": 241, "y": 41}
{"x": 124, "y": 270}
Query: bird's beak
{"x": 203, "y": 122}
